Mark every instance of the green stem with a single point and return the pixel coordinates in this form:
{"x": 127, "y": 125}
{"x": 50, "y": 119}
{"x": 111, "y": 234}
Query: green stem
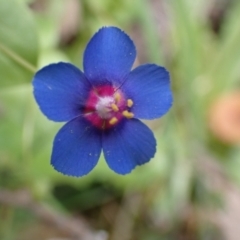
{"x": 18, "y": 59}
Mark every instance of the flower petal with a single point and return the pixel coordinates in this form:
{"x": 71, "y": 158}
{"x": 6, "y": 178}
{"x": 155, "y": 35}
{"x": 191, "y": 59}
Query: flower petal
{"x": 76, "y": 148}
{"x": 109, "y": 56}
{"x": 149, "y": 87}
{"x": 129, "y": 144}
{"x": 60, "y": 90}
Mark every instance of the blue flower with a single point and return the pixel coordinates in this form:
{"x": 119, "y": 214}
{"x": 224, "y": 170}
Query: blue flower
{"x": 102, "y": 105}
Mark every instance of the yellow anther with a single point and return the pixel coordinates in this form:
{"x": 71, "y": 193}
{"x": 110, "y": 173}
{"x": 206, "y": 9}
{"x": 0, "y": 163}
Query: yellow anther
{"x": 117, "y": 97}
{"x": 127, "y": 114}
{"x": 113, "y": 121}
{"x": 129, "y": 102}
{"x": 115, "y": 107}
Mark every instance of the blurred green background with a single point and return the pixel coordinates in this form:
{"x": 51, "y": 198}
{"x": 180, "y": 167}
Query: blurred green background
{"x": 190, "y": 190}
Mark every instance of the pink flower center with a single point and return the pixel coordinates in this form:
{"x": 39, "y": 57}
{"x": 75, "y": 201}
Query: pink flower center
{"x": 105, "y": 107}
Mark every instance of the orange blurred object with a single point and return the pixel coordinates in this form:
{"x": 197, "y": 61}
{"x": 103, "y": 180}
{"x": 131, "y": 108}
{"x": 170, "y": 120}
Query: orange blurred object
{"x": 224, "y": 118}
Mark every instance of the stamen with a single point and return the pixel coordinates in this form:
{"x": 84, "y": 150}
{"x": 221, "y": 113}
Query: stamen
{"x": 104, "y": 124}
{"x": 113, "y": 121}
{"x": 129, "y": 102}
{"x": 115, "y": 107}
{"x": 117, "y": 97}
{"x": 127, "y": 114}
